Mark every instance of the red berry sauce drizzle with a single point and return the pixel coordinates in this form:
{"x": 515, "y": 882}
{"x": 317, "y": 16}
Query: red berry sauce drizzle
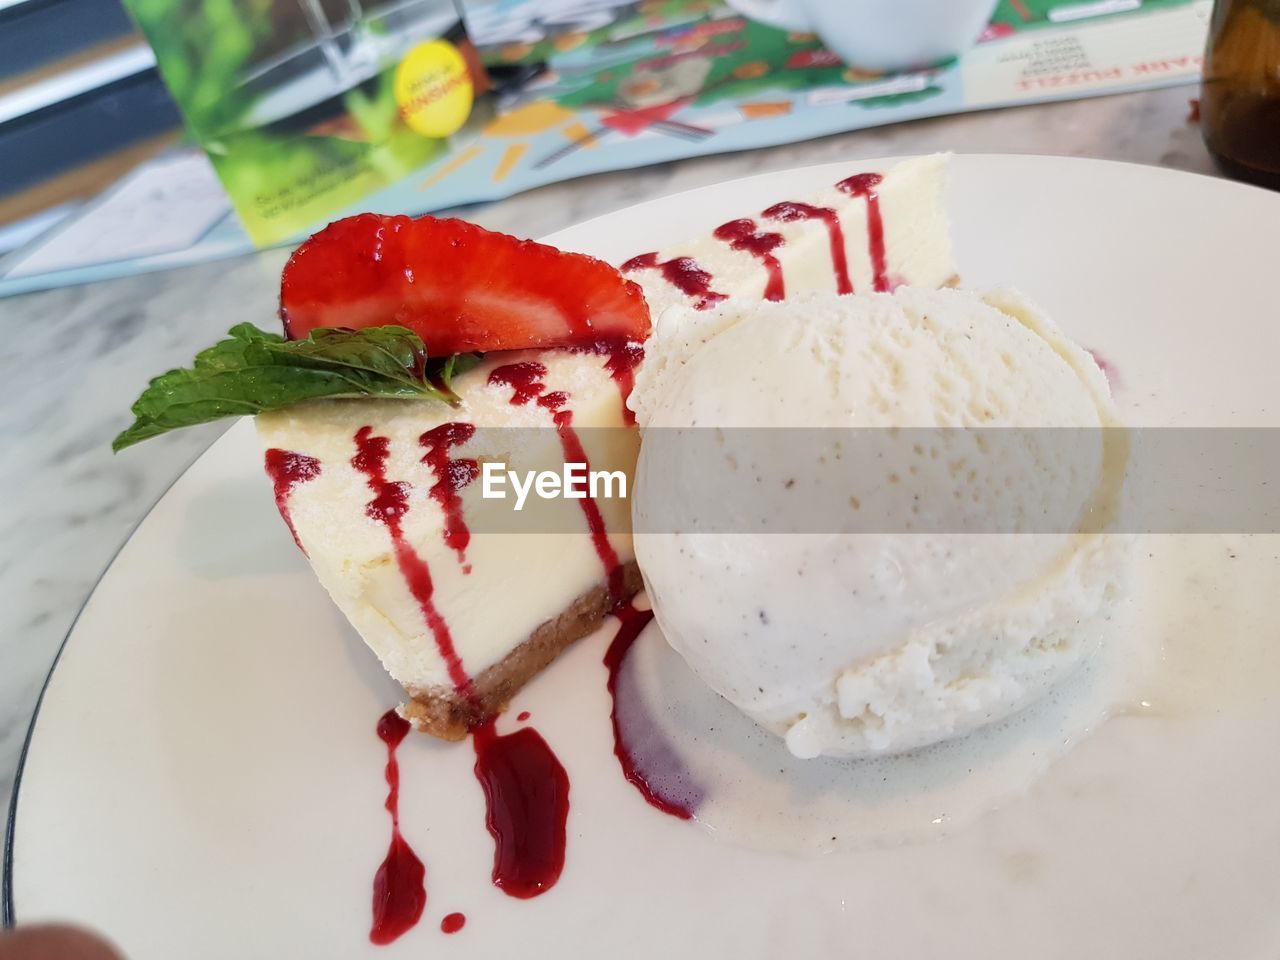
{"x": 399, "y": 886}
{"x": 526, "y": 383}
{"x": 790, "y": 210}
{"x": 525, "y": 786}
{"x": 451, "y": 476}
{"x": 623, "y": 356}
{"x": 865, "y": 185}
{"x": 453, "y": 922}
{"x": 527, "y": 800}
{"x": 694, "y": 281}
{"x": 648, "y": 761}
{"x": 743, "y": 235}
{"x": 683, "y": 273}
{"x": 389, "y": 506}
{"x": 622, "y": 363}
{"x": 286, "y": 470}
{"x": 526, "y": 792}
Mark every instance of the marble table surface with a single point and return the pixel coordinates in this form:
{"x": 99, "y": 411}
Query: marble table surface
{"x": 75, "y": 358}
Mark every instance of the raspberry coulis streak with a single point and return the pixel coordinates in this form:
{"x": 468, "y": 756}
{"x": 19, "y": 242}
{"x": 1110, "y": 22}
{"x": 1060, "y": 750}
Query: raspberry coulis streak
{"x": 453, "y": 922}
{"x": 399, "y": 886}
{"x": 526, "y": 794}
{"x": 451, "y": 476}
{"x": 525, "y": 786}
{"x": 683, "y": 273}
{"x": 743, "y": 235}
{"x": 866, "y": 185}
{"x": 623, "y": 360}
{"x": 631, "y": 622}
{"x": 695, "y": 281}
{"x": 389, "y": 506}
{"x": 286, "y": 470}
{"x": 791, "y": 210}
{"x": 526, "y": 382}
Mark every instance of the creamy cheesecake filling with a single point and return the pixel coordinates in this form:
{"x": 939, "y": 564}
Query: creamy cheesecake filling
{"x": 865, "y": 233}
{"x": 437, "y": 583}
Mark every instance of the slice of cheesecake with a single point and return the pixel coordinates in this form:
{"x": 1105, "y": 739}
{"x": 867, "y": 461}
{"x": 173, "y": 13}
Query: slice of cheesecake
{"x": 463, "y": 599}
{"x": 864, "y": 233}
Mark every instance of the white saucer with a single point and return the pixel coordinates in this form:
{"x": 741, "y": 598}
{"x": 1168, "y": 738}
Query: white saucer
{"x": 204, "y": 780}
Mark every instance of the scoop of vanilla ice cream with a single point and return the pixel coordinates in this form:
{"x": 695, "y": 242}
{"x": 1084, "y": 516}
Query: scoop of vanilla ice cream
{"x": 893, "y": 570}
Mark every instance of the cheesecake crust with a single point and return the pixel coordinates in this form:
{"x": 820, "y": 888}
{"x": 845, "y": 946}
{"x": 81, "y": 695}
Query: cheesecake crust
{"x": 449, "y": 715}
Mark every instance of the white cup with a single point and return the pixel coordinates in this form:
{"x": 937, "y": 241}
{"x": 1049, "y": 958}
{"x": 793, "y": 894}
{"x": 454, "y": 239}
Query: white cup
{"x": 880, "y": 34}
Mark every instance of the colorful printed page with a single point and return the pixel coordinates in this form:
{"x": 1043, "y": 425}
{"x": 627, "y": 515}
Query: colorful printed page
{"x": 584, "y": 86}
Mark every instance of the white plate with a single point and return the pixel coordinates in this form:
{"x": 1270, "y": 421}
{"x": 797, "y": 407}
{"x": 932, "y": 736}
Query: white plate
{"x": 204, "y": 781}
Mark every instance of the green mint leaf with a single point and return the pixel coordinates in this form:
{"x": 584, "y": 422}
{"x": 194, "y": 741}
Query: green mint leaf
{"x": 253, "y": 371}
{"x": 455, "y": 366}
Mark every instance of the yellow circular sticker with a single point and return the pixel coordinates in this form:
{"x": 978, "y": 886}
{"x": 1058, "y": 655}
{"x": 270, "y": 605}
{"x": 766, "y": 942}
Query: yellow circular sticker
{"x": 433, "y": 89}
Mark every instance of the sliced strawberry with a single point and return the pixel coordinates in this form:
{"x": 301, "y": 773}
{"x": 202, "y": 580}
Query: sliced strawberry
{"x": 458, "y": 286}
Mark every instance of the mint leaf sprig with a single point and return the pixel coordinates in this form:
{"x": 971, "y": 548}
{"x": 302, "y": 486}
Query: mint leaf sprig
{"x": 253, "y": 371}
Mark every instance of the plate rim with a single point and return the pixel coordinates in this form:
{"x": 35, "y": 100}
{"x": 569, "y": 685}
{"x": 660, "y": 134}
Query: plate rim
{"x": 8, "y": 916}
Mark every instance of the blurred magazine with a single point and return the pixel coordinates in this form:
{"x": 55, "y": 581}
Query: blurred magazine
{"x": 305, "y": 106}
{"x": 313, "y": 109}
